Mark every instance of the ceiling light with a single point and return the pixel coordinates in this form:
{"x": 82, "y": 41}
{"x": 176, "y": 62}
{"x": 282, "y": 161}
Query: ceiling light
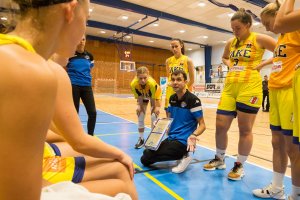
{"x": 189, "y": 49}
{"x": 151, "y": 41}
{"x": 182, "y": 31}
{"x": 124, "y": 17}
{"x": 127, "y": 36}
{"x": 102, "y": 32}
{"x": 224, "y": 41}
{"x": 3, "y": 18}
{"x": 91, "y": 10}
{"x": 230, "y": 14}
{"x": 155, "y": 24}
{"x": 201, "y": 4}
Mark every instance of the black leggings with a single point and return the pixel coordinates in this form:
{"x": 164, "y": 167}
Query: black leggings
{"x": 87, "y": 97}
{"x": 168, "y": 150}
{"x": 266, "y": 96}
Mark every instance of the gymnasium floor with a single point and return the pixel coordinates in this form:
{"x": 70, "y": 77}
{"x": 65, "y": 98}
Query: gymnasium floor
{"x": 195, "y": 183}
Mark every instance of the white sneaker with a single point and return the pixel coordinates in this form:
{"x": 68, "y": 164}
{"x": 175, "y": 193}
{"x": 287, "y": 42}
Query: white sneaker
{"x": 183, "y": 163}
{"x": 268, "y": 192}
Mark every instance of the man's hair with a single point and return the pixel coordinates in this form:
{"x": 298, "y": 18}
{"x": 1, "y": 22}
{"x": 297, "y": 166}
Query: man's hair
{"x": 177, "y": 72}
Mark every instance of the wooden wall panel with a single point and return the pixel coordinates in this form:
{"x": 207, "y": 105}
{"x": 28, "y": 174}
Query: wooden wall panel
{"x": 107, "y": 77}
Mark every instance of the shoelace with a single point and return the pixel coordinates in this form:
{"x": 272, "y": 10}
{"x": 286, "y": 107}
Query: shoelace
{"x": 216, "y": 159}
{"x": 236, "y": 167}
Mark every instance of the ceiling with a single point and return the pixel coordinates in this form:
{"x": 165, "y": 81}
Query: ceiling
{"x": 197, "y": 22}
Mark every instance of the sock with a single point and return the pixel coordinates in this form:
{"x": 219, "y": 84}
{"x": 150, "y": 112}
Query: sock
{"x": 153, "y": 119}
{"x": 295, "y": 192}
{"x": 241, "y": 159}
{"x": 277, "y": 182}
{"x": 141, "y": 135}
{"x": 221, "y": 153}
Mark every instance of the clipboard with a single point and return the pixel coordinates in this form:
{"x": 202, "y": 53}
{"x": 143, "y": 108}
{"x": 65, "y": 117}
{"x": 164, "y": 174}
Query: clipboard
{"x": 157, "y": 133}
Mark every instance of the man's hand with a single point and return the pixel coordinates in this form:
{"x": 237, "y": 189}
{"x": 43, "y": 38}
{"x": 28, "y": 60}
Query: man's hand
{"x": 191, "y": 143}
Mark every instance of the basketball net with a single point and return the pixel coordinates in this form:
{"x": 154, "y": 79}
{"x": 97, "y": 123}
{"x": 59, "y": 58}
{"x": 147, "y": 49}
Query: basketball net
{"x": 123, "y": 42}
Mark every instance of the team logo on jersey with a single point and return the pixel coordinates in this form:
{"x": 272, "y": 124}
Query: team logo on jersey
{"x": 87, "y": 57}
{"x": 253, "y": 100}
{"x": 249, "y": 45}
{"x": 54, "y": 164}
{"x": 183, "y": 104}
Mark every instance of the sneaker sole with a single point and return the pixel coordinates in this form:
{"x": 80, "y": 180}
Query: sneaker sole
{"x": 215, "y": 168}
{"x": 283, "y": 198}
{"x": 236, "y": 179}
{"x": 139, "y": 147}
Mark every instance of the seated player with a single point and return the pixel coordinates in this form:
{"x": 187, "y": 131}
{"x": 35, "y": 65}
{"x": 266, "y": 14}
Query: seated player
{"x": 186, "y": 111}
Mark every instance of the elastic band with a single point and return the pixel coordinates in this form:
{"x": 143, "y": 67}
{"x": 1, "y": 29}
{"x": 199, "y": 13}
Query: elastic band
{"x": 42, "y": 3}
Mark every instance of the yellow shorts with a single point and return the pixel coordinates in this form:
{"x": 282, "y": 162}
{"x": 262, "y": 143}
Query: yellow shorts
{"x": 169, "y": 93}
{"x": 57, "y": 169}
{"x": 244, "y": 97}
{"x": 281, "y": 110}
{"x": 51, "y": 150}
{"x": 296, "y": 123}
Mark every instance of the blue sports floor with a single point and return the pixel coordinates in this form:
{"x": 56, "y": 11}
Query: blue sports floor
{"x": 194, "y": 184}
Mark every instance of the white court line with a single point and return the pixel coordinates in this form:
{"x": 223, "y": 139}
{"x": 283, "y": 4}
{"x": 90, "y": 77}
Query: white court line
{"x": 204, "y": 147}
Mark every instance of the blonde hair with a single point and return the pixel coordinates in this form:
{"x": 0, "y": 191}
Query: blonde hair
{"x": 142, "y": 70}
{"x": 270, "y": 9}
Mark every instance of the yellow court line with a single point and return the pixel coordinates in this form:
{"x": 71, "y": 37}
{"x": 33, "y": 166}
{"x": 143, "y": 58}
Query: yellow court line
{"x": 160, "y": 184}
{"x": 104, "y": 134}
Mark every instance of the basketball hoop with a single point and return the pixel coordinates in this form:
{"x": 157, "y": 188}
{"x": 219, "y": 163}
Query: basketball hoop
{"x": 123, "y": 42}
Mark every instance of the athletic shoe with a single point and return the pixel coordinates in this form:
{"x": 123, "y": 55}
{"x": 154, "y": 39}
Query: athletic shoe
{"x": 182, "y": 165}
{"x": 268, "y": 192}
{"x": 237, "y": 172}
{"x": 214, "y": 164}
{"x": 140, "y": 143}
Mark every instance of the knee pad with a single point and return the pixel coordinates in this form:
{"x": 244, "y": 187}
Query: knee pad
{"x": 141, "y": 120}
{"x": 153, "y": 119}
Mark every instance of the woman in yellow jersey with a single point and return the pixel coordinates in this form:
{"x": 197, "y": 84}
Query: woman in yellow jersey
{"x": 28, "y": 88}
{"x": 287, "y": 20}
{"x": 145, "y": 89}
{"x": 286, "y": 57}
{"x": 178, "y": 61}
{"x": 242, "y": 94}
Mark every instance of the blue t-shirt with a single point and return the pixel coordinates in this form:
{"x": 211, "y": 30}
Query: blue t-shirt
{"x": 185, "y": 113}
{"x": 79, "y": 68}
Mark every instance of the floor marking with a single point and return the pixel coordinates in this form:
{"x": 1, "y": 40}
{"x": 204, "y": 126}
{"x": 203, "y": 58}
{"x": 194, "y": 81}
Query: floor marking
{"x": 161, "y": 185}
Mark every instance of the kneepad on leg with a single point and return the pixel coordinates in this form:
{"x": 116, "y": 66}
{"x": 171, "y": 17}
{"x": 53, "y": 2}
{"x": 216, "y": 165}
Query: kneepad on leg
{"x": 141, "y": 120}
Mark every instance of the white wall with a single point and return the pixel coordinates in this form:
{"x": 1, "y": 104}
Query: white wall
{"x": 197, "y": 57}
{"x": 217, "y": 53}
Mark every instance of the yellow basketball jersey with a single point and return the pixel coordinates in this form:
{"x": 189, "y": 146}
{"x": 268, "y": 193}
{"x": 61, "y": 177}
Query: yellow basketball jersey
{"x": 286, "y": 58}
{"x": 11, "y": 39}
{"x": 180, "y": 63}
{"x": 244, "y": 56}
{"x": 147, "y": 91}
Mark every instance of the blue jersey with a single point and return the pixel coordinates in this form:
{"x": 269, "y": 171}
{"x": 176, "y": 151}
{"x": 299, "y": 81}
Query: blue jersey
{"x": 185, "y": 113}
{"x": 79, "y": 69}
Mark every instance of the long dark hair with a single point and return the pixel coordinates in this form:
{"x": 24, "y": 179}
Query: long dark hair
{"x": 181, "y": 43}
